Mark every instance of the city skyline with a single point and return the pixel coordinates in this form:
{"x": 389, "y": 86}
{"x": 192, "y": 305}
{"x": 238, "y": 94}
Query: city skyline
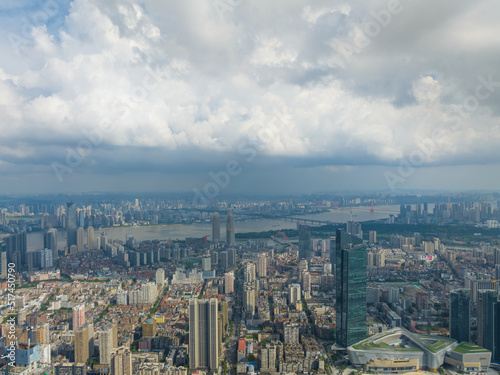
{"x": 168, "y": 96}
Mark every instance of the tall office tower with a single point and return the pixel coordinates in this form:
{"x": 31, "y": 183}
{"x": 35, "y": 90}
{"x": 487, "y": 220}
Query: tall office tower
{"x": 16, "y": 245}
{"x": 372, "y": 236}
{"x": 82, "y": 344}
{"x": 216, "y": 228}
{"x": 262, "y": 265}
{"x": 350, "y": 289}
{"x": 203, "y": 334}
{"x": 90, "y": 238}
{"x": 497, "y": 256}
{"x": 79, "y": 239}
{"x": 249, "y": 298}
{"x": 488, "y": 322}
{"x": 230, "y": 241}
{"x": 160, "y": 276}
{"x": 78, "y": 316}
{"x": 121, "y": 362}
{"x": 81, "y": 218}
{"x": 206, "y": 262}
{"x": 231, "y": 257}
{"x": 305, "y": 244}
{"x": 3, "y": 259}
{"x": 497, "y": 272}
{"x": 460, "y": 303}
{"x": 104, "y": 241}
{"x": 294, "y": 293}
{"x": 50, "y": 241}
{"x": 71, "y": 223}
{"x": 354, "y": 228}
{"x": 105, "y": 345}
{"x": 229, "y": 282}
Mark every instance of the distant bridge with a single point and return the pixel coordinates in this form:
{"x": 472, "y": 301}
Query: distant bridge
{"x": 310, "y": 221}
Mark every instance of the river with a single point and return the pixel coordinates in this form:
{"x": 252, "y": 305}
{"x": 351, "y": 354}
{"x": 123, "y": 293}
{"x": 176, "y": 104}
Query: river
{"x": 182, "y": 231}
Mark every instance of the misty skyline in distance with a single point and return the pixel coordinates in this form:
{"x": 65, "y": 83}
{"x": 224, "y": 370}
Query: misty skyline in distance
{"x": 249, "y": 97}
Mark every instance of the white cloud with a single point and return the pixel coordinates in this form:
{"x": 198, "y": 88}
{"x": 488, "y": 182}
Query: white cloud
{"x": 223, "y": 80}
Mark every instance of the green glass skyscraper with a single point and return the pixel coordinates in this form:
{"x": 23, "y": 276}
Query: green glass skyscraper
{"x": 460, "y": 315}
{"x": 305, "y": 245}
{"x": 488, "y": 322}
{"x": 350, "y": 268}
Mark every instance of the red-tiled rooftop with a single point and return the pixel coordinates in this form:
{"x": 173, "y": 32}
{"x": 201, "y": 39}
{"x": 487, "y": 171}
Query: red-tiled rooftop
{"x": 241, "y": 345}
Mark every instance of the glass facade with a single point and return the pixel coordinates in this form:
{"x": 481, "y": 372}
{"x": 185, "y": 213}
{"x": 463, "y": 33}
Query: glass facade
{"x": 350, "y": 267}
{"x": 460, "y": 315}
{"x": 71, "y": 223}
{"x": 488, "y": 317}
{"x": 305, "y": 245}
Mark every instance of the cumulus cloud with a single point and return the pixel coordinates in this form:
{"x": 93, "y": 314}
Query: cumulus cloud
{"x": 185, "y": 78}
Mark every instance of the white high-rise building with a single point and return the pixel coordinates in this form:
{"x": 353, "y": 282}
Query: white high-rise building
{"x": 160, "y": 276}
{"x": 262, "y": 265}
{"x": 149, "y": 293}
{"x": 294, "y": 293}
{"x": 121, "y": 297}
{"x": 249, "y": 273}
{"x": 105, "y": 345}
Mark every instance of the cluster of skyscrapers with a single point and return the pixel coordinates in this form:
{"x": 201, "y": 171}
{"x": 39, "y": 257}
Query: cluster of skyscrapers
{"x": 230, "y": 237}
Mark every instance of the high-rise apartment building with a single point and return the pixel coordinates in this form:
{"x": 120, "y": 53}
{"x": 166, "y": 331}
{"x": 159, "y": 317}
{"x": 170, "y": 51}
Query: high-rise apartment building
{"x": 121, "y": 362}
{"x": 372, "y": 236}
{"x": 294, "y": 293}
{"x": 216, "y": 228}
{"x": 71, "y": 223}
{"x": 229, "y": 282}
{"x": 206, "y": 262}
{"x": 249, "y": 298}
{"x": 230, "y": 239}
{"x": 160, "y": 276}
{"x": 350, "y": 289}
{"x": 460, "y": 305}
{"x": 262, "y": 265}
{"x": 203, "y": 334}
{"x": 149, "y": 293}
{"x": 80, "y": 232}
{"x": 90, "y": 238}
{"x": 78, "y": 316}
{"x": 106, "y": 345}
{"x": 82, "y": 340}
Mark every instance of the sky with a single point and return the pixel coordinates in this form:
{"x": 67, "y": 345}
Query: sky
{"x": 228, "y": 96}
